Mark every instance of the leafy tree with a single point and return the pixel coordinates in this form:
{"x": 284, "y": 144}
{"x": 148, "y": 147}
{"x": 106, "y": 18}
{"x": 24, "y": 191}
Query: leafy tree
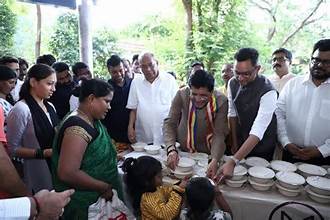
{"x": 64, "y": 42}
{"x": 7, "y": 28}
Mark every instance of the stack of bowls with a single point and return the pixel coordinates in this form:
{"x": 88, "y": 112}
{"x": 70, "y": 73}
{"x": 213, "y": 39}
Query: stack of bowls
{"x": 261, "y": 178}
{"x": 279, "y": 165}
{"x": 138, "y": 146}
{"x": 239, "y": 177}
{"x": 289, "y": 183}
{"x": 256, "y": 161}
{"x": 152, "y": 149}
{"x": 185, "y": 168}
{"x": 311, "y": 170}
{"x": 318, "y": 189}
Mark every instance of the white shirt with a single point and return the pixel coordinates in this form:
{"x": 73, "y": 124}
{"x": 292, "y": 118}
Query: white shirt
{"x": 15, "y": 91}
{"x": 278, "y": 82}
{"x": 74, "y": 102}
{"x": 152, "y": 102}
{"x": 303, "y": 114}
{"x": 266, "y": 110}
{"x": 15, "y": 209}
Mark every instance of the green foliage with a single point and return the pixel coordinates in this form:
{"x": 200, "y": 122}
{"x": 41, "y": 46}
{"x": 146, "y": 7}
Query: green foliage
{"x": 64, "y": 42}
{"x": 7, "y": 28}
{"x": 104, "y": 45}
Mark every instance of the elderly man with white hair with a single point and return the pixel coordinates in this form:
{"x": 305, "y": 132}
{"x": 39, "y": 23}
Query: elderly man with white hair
{"x": 149, "y": 99}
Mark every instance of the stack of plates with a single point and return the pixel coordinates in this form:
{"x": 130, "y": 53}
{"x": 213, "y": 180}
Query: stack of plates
{"x": 311, "y": 170}
{"x": 261, "y": 178}
{"x": 279, "y": 165}
{"x": 152, "y": 149}
{"x": 289, "y": 183}
{"x": 317, "y": 197}
{"x": 184, "y": 168}
{"x": 318, "y": 188}
{"x": 138, "y": 146}
{"x": 256, "y": 161}
{"x": 239, "y": 177}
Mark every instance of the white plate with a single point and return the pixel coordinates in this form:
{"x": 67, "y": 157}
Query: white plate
{"x": 261, "y": 186}
{"x": 152, "y": 149}
{"x": 261, "y": 172}
{"x": 186, "y": 162}
{"x": 198, "y": 156}
{"x": 279, "y": 165}
{"x": 138, "y": 146}
{"x": 312, "y": 169}
{"x": 256, "y": 161}
{"x": 287, "y": 192}
{"x": 317, "y": 197}
{"x": 290, "y": 178}
{"x": 239, "y": 170}
{"x": 319, "y": 182}
{"x": 235, "y": 183}
{"x": 181, "y": 175}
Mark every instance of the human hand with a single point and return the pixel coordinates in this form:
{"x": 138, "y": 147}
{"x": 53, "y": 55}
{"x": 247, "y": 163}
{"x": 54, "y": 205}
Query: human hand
{"x": 48, "y": 153}
{"x": 184, "y": 182}
{"x": 225, "y": 171}
{"x": 212, "y": 168}
{"x": 234, "y": 148}
{"x": 293, "y": 149}
{"x": 131, "y": 134}
{"x": 173, "y": 160}
{"x": 107, "y": 194}
{"x": 309, "y": 153}
{"x": 51, "y": 204}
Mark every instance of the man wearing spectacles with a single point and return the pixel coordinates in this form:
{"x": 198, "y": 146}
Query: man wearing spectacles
{"x": 303, "y": 111}
{"x": 198, "y": 121}
{"x": 252, "y": 102}
{"x": 281, "y": 62}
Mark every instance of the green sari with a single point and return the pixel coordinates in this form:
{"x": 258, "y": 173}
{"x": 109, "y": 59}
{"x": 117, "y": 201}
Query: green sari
{"x": 99, "y": 161}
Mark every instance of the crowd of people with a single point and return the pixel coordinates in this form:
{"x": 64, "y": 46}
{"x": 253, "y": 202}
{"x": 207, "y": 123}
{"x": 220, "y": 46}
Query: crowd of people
{"x": 61, "y": 131}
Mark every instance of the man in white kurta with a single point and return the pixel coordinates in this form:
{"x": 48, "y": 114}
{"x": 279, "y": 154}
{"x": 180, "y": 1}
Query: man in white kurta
{"x": 303, "y": 111}
{"x": 150, "y": 99}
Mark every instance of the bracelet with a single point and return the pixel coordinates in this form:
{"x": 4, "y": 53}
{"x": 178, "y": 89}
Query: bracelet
{"x": 39, "y": 154}
{"x": 173, "y": 150}
{"x": 171, "y": 147}
{"x": 37, "y": 204}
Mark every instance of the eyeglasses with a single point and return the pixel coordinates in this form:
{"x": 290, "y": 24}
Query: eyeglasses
{"x": 199, "y": 96}
{"x": 279, "y": 59}
{"x": 245, "y": 74}
{"x": 317, "y": 61}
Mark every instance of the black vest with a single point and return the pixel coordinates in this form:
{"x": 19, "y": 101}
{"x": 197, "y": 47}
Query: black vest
{"x": 246, "y": 100}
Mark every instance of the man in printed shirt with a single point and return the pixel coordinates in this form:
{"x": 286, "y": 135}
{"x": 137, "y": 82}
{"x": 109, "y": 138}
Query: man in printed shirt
{"x": 303, "y": 111}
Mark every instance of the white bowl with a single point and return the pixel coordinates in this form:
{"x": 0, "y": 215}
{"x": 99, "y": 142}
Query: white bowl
{"x": 260, "y": 186}
{"x": 290, "y": 180}
{"x": 317, "y": 197}
{"x": 287, "y": 192}
{"x": 261, "y": 174}
{"x": 177, "y": 144}
{"x": 152, "y": 149}
{"x": 181, "y": 175}
{"x": 199, "y": 156}
{"x": 236, "y": 183}
{"x": 279, "y": 165}
{"x": 311, "y": 170}
{"x": 256, "y": 161}
{"x": 319, "y": 185}
{"x": 138, "y": 146}
{"x": 239, "y": 173}
{"x": 185, "y": 164}
{"x": 168, "y": 181}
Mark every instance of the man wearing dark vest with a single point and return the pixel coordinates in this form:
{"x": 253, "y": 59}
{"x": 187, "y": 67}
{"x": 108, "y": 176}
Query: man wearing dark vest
{"x": 252, "y": 102}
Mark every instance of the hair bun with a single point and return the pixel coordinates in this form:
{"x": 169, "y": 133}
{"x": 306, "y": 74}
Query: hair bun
{"x": 128, "y": 164}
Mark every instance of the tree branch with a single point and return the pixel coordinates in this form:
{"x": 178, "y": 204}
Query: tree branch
{"x": 302, "y": 24}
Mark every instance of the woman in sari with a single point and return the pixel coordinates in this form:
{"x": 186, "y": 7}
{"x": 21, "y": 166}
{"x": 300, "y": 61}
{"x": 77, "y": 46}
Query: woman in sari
{"x": 30, "y": 127}
{"x": 83, "y": 155}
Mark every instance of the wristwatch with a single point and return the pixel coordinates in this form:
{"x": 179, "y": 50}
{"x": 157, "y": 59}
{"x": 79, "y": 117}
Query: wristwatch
{"x": 235, "y": 160}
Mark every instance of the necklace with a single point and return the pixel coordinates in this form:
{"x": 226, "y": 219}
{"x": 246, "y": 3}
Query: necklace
{"x": 84, "y": 116}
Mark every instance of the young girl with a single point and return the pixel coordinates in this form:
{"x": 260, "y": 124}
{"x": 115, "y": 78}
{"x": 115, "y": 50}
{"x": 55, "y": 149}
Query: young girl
{"x": 200, "y": 195}
{"x": 151, "y": 200}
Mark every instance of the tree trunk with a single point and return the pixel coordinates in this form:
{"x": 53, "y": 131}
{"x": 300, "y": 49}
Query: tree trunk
{"x": 85, "y": 37}
{"x": 38, "y": 39}
{"x": 189, "y": 32}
